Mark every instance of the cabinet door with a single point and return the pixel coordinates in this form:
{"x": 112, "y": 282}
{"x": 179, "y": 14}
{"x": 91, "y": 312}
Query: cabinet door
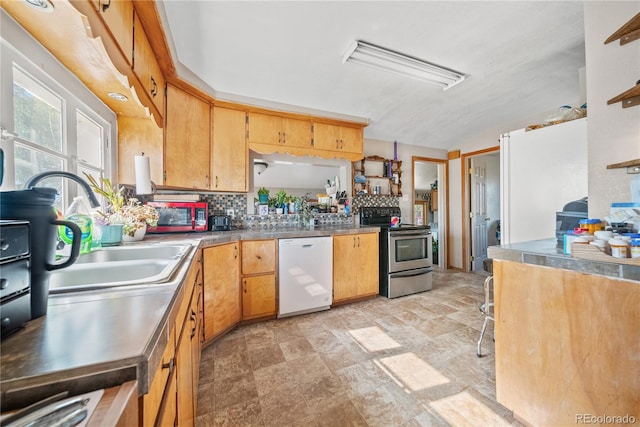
{"x": 326, "y": 137}
{"x": 118, "y": 17}
{"x": 184, "y": 375}
{"x": 368, "y": 268}
{"x": 258, "y": 256}
{"x": 258, "y": 296}
{"x": 156, "y": 399}
{"x": 351, "y": 139}
{"x": 187, "y": 130}
{"x": 296, "y": 133}
{"x": 196, "y": 343}
{"x": 265, "y": 129}
{"x": 345, "y": 261}
{"x": 135, "y": 136}
{"x": 146, "y": 67}
{"x": 229, "y": 150}
{"x": 222, "y": 305}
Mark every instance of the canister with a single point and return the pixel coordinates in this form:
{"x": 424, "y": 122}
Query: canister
{"x": 590, "y": 225}
{"x": 619, "y": 247}
{"x": 635, "y": 247}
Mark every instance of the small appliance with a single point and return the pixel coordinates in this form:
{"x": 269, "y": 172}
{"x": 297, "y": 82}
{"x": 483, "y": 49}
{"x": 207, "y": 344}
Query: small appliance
{"x": 180, "y": 217}
{"x": 219, "y": 223}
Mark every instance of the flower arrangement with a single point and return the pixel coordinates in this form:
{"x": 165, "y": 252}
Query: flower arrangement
{"x": 135, "y": 216}
{"x": 132, "y": 214}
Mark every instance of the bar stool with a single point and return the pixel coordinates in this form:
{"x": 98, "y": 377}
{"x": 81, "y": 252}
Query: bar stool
{"x": 486, "y": 308}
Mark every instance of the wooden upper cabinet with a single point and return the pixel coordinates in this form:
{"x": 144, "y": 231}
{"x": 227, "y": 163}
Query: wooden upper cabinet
{"x": 146, "y": 68}
{"x": 277, "y": 130}
{"x": 229, "y": 150}
{"x": 137, "y": 136}
{"x": 186, "y": 145}
{"x": 118, "y": 18}
{"x": 337, "y": 138}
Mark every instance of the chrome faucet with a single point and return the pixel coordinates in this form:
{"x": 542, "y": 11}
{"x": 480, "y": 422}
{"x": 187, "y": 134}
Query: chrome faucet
{"x": 36, "y": 178}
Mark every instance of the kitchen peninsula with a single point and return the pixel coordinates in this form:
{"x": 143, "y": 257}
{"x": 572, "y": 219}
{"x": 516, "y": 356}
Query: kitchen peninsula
{"x": 100, "y": 339}
{"x": 567, "y": 340}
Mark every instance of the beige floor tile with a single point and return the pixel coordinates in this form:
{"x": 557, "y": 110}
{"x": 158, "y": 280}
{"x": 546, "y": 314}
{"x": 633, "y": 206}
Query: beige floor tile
{"x": 407, "y": 361}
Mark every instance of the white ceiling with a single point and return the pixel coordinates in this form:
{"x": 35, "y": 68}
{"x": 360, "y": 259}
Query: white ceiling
{"x": 523, "y": 59}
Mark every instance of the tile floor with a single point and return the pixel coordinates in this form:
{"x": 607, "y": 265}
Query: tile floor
{"x": 409, "y": 361}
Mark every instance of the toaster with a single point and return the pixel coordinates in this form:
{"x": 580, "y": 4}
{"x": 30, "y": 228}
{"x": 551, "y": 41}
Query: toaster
{"x": 219, "y": 223}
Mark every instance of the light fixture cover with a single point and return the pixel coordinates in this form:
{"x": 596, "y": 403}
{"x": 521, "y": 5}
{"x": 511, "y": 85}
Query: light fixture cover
{"x": 260, "y": 167}
{"x": 385, "y": 59}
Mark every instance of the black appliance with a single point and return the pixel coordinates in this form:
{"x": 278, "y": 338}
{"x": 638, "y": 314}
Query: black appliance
{"x": 15, "y": 257}
{"x": 219, "y": 223}
{"x": 570, "y": 218}
{"x": 35, "y": 205}
{"x": 405, "y": 253}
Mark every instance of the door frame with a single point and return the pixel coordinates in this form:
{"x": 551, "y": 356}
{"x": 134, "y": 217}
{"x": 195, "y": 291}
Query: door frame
{"x": 443, "y": 226}
{"x": 466, "y": 203}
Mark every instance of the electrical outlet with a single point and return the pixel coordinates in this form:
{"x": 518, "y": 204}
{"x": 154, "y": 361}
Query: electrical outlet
{"x": 230, "y": 213}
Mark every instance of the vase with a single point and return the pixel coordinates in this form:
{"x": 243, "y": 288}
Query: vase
{"x": 137, "y": 235}
{"x": 111, "y": 235}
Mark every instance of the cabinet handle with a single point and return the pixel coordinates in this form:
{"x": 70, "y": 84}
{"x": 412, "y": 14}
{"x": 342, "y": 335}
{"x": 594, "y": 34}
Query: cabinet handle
{"x": 358, "y": 241}
{"x": 284, "y": 137}
{"x": 337, "y": 143}
{"x": 279, "y": 137}
{"x": 195, "y": 323}
{"x": 169, "y": 365}
{"x": 258, "y": 256}
{"x": 154, "y": 86}
{"x": 244, "y": 286}
{"x": 106, "y": 5}
{"x": 354, "y": 242}
{"x": 216, "y": 181}
{"x": 341, "y": 144}
{"x": 235, "y": 252}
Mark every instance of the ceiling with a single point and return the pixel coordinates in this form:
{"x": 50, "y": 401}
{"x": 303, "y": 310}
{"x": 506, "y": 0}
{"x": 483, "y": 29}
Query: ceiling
{"x": 522, "y": 58}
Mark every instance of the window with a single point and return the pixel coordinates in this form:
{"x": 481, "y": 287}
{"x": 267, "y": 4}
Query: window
{"x": 51, "y": 121}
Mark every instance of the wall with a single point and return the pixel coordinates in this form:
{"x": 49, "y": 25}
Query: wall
{"x": 613, "y": 132}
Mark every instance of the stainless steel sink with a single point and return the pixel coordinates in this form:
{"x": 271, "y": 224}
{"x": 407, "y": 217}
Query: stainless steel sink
{"x": 120, "y": 266}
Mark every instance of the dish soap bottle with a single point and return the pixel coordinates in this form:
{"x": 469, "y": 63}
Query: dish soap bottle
{"x": 78, "y": 212}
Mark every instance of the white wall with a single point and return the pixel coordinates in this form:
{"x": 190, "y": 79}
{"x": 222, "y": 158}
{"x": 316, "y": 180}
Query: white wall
{"x": 613, "y": 132}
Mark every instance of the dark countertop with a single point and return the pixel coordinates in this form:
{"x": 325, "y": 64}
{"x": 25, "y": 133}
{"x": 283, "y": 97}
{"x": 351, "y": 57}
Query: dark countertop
{"x": 544, "y": 252}
{"x": 97, "y": 339}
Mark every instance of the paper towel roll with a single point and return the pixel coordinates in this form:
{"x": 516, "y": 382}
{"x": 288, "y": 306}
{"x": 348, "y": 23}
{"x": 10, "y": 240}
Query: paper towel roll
{"x": 143, "y": 175}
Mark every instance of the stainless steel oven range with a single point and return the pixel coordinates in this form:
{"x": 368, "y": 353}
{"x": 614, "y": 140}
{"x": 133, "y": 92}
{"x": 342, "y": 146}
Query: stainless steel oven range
{"x": 405, "y": 253}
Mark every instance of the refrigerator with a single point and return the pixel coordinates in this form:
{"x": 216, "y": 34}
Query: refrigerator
{"x": 541, "y": 170}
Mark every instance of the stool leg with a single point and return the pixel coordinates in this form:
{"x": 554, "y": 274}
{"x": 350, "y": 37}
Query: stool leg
{"x": 484, "y": 327}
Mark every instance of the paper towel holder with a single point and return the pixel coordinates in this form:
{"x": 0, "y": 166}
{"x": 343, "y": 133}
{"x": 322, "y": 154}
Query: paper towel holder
{"x": 144, "y": 184}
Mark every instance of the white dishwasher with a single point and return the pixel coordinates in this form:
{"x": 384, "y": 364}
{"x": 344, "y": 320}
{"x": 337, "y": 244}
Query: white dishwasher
{"x": 306, "y": 275}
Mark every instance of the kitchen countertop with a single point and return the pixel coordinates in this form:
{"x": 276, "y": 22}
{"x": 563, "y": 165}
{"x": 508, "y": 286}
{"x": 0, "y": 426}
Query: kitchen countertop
{"x": 544, "y": 252}
{"x": 97, "y": 339}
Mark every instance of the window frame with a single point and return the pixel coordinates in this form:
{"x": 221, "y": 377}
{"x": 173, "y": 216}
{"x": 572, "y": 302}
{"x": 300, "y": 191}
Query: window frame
{"x": 77, "y": 98}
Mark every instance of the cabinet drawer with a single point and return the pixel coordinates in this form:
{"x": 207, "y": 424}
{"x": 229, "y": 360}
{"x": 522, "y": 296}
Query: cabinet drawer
{"x": 258, "y": 256}
{"x": 14, "y": 277}
{"x": 14, "y": 241}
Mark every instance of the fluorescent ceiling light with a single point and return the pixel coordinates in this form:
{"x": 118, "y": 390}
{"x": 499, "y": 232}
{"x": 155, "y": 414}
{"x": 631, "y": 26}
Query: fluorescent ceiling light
{"x": 379, "y": 57}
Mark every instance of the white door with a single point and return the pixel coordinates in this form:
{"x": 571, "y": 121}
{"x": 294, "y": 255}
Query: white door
{"x": 478, "y": 211}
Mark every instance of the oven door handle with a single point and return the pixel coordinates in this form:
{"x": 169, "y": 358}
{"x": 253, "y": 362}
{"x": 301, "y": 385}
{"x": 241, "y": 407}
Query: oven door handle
{"x": 412, "y": 273}
{"x": 402, "y": 235}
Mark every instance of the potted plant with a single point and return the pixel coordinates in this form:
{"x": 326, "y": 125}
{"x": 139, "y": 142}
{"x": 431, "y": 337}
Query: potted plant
{"x": 136, "y": 217}
{"x": 281, "y": 199}
{"x": 263, "y": 196}
{"x": 111, "y": 226}
{"x": 131, "y": 217}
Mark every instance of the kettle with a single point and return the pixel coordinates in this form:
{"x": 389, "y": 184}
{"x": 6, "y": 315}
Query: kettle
{"x": 35, "y": 204}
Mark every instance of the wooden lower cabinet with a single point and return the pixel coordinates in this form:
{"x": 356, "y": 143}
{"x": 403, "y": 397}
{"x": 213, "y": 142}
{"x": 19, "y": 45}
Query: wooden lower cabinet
{"x": 355, "y": 266}
{"x": 160, "y": 400}
{"x": 566, "y": 345}
{"x": 222, "y": 304}
{"x": 258, "y": 268}
{"x": 258, "y": 296}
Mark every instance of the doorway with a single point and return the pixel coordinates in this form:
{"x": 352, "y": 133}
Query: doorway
{"x": 481, "y": 227}
{"x": 429, "y": 203}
